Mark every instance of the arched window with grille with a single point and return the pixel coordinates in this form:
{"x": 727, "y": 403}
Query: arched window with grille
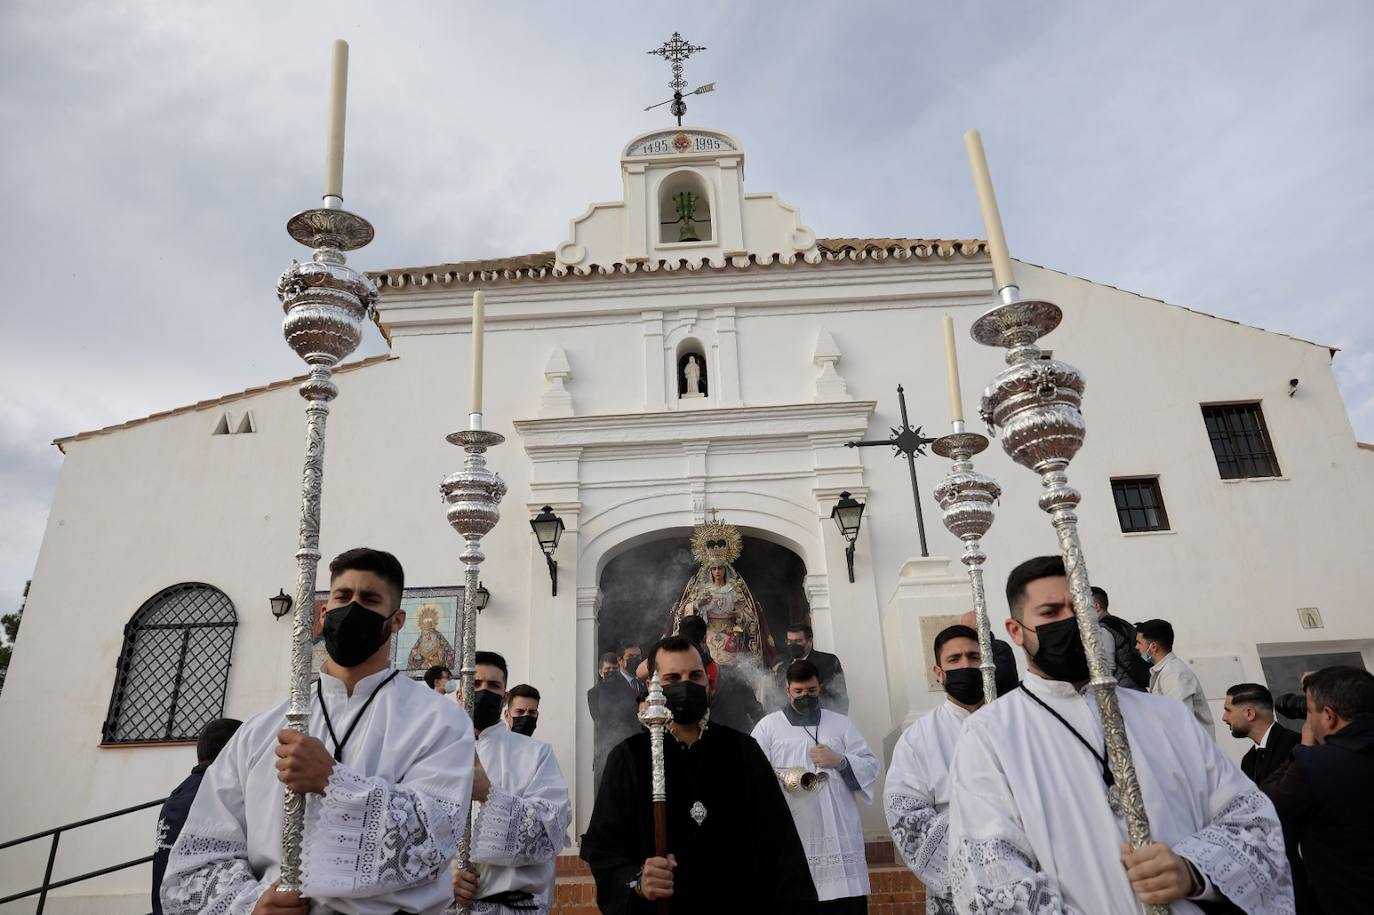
{"x": 174, "y": 668}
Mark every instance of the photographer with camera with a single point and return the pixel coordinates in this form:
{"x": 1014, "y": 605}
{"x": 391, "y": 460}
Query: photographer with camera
{"x": 1324, "y": 793}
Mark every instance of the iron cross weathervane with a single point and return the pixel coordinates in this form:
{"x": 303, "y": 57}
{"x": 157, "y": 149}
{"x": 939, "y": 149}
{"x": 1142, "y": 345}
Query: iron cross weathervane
{"x": 910, "y": 442}
{"x": 675, "y": 50}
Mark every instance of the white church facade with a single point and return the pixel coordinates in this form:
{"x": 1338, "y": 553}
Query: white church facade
{"x": 1223, "y": 488}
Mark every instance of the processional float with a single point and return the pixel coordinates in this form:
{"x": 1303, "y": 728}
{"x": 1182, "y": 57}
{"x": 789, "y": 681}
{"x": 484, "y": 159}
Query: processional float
{"x": 1034, "y": 405}
{"x": 326, "y": 302}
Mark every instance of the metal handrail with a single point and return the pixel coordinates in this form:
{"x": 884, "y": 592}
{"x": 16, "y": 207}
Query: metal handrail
{"x": 56, "y": 833}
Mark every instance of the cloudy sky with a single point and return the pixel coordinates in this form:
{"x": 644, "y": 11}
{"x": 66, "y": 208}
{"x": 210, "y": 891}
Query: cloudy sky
{"x": 1218, "y": 155}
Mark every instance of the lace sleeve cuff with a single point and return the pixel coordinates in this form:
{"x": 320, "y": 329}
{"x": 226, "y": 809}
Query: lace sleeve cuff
{"x": 367, "y": 834}
{"x": 212, "y": 876}
{"x": 509, "y": 830}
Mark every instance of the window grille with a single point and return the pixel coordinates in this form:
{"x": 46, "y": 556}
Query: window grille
{"x": 1139, "y": 505}
{"x": 1240, "y": 441}
{"x": 174, "y": 667}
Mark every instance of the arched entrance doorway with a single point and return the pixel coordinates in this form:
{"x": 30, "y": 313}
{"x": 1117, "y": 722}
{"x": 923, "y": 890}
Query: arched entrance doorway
{"x": 640, "y": 586}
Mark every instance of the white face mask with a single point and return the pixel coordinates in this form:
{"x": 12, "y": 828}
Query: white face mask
{"x": 451, "y": 686}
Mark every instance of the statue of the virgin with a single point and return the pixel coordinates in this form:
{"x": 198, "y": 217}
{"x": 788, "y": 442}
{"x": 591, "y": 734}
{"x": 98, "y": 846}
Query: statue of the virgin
{"x": 735, "y": 625}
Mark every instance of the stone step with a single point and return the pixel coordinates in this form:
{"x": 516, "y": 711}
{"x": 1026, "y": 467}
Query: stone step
{"x": 894, "y": 890}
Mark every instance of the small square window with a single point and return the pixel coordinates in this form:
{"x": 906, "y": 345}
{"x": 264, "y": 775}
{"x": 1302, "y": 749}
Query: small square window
{"x": 1240, "y": 441}
{"x": 1139, "y": 505}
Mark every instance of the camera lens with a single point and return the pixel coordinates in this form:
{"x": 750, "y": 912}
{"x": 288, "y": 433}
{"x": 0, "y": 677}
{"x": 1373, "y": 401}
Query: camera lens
{"x": 1291, "y": 705}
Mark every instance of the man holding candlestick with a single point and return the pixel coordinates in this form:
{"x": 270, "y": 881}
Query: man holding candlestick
{"x": 1036, "y": 820}
{"x": 386, "y": 770}
{"x": 723, "y": 802}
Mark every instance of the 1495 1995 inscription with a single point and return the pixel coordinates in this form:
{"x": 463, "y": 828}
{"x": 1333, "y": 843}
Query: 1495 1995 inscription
{"x": 679, "y": 142}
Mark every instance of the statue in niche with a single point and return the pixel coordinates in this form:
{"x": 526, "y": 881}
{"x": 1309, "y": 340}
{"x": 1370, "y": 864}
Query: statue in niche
{"x": 736, "y": 630}
{"x": 691, "y": 377}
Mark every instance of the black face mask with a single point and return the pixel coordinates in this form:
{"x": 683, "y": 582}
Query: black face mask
{"x": 525, "y": 724}
{"x": 796, "y": 651}
{"x": 686, "y": 700}
{"x": 486, "y": 709}
{"x": 807, "y": 706}
{"x": 631, "y": 663}
{"x": 353, "y": 633}
{"x": 965, "y": 685}
{"x": 1061, "y": 655}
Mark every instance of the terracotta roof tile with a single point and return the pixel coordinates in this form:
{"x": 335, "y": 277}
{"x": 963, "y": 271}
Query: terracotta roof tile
{"x": 542, "y": 265}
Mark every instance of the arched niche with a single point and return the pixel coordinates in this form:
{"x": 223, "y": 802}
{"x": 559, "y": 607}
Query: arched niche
{"x": 679, "y": 218}
{"x": 690, "y": 352}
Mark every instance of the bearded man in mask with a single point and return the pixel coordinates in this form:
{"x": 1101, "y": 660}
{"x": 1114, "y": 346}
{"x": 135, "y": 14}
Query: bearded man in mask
{"x": 916, "y": 797}
{"x": 1035, "y": 822}
{"x": 385, "y": 769}
{"x": 801, "y": 646}
{"x": 732, "y": 845}
{"x": 521, "y": 803}
{"x": 826, "y": 768}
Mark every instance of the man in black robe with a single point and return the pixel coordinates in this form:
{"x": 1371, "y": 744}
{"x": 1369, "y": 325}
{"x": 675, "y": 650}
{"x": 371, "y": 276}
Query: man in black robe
{"x": 731, "y": 838}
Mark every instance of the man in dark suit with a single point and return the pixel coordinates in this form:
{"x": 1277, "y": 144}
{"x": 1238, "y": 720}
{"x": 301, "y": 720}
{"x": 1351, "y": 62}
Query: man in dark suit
{"x": 801, "y": 645}
{"x": 614, "y": 704}
{"x": 1249, "y": 713}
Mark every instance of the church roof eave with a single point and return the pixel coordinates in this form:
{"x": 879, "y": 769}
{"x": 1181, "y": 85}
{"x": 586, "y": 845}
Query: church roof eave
{"x": 62, "y": 442}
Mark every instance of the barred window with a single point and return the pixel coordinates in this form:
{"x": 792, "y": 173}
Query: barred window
{"x": 1240, "y": 441}
{"x": 174, "y": 667}
{"x": 1139, "y": 505}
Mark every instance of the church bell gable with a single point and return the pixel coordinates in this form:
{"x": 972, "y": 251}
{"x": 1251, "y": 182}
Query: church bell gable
{"x": 684, "y": 200}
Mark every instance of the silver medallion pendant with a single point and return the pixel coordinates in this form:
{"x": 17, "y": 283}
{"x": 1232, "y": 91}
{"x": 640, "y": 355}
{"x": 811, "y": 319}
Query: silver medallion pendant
{"x": 698, "y": 812}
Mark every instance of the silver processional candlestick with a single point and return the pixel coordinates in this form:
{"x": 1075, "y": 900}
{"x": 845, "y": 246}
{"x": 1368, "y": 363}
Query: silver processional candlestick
{"x": 326, "y": 302}
{"x": 1034, "y": 404}
{"x": 966, "y": 497}
{"x": 656, "y": 717}
{"x": 473, "y": 495}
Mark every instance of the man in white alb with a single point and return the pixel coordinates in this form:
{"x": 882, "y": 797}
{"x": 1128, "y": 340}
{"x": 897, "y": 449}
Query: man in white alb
{"x": 826, "y": 746}
{"x": 1032, "y": 827}
{"x": 523, "y": 809}
{"x": 386, "y": 770}
{"x": 916, "y": 797}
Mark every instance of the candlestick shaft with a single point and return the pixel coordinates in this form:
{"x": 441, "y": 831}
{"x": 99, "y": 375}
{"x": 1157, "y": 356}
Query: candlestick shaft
{"x": 987, "y": 202}
{"x": 338, "y": 105}
{"x": 318, "y": 391}
{"x": 467, "y": 674}
{"x": 479, "y": 314}
{"x": 956, "y": 398}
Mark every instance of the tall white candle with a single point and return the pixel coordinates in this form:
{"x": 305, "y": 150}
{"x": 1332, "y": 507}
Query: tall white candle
{"x": 479, "y": 311}
{"x": 956, "y": 399}
{"x": 338, "y": 105}
{"x": 987, "y": 202}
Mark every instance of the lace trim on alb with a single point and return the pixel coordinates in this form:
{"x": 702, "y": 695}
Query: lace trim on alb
{"x": 365, "y": 834}
{"x": 210, "y": 876}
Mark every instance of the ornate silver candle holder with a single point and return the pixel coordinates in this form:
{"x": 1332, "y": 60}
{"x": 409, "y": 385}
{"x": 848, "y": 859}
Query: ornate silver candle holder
{"x": 473, "y": 495}
{"x": 656, "y": 717}
{"x": 1034, "y": 405}
{"x": 326, "y": 303}
{"x": 966, "y": 497}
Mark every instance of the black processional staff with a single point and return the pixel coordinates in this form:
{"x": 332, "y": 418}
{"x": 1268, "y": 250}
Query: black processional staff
{"x": 655, "y": 717}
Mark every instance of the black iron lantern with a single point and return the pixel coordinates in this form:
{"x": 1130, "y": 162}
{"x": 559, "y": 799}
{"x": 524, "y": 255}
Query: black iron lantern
{"x": 548, "y": 529}
{"x": 281, "y": 604}
{"x": 848, "y": 514}
{"x": 483, "y": 597}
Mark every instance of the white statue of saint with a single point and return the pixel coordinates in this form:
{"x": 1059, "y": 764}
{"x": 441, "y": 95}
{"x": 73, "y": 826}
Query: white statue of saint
{"x": 692, "y": 372}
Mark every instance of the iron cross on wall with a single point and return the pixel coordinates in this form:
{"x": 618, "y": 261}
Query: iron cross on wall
{"x": 910, "y": 442}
